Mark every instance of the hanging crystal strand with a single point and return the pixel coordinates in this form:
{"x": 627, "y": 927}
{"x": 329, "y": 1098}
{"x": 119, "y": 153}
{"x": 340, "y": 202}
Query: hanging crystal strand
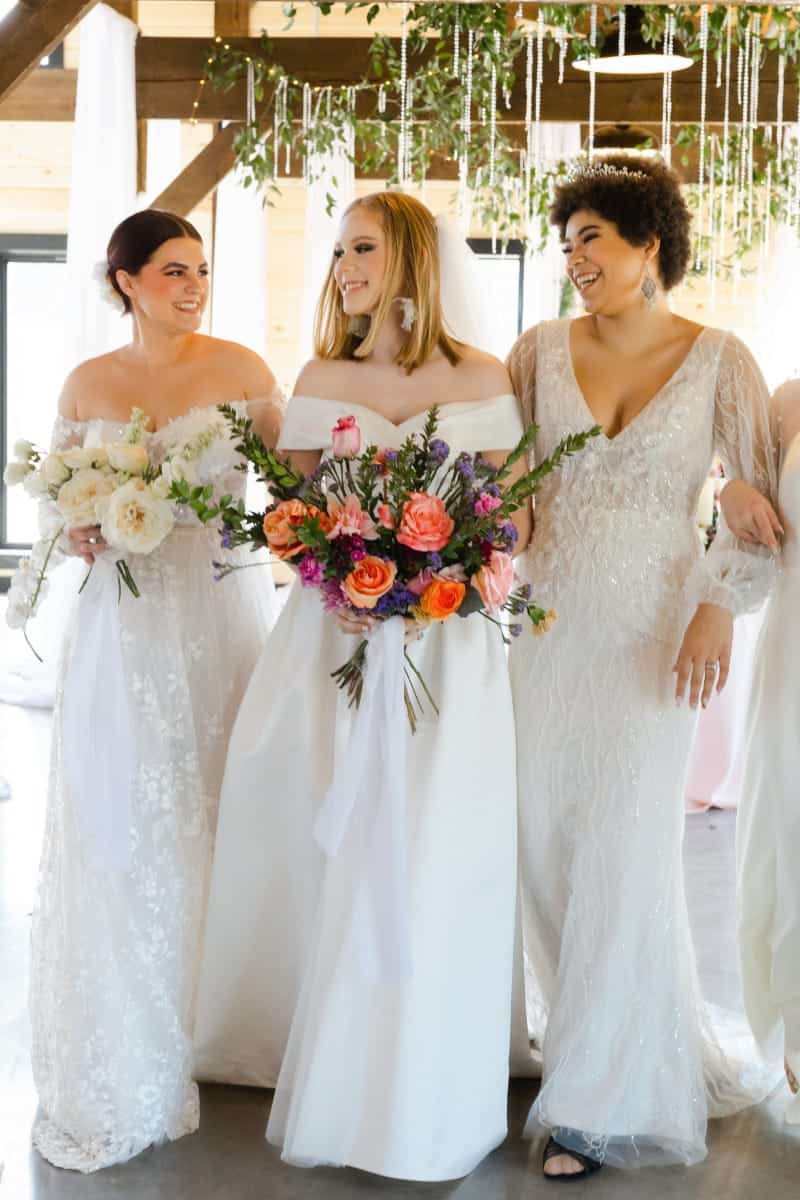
{"x": 528, "y": 158}
{"x": 279, "y": 119}
{"x": 314, "y": 20}
{"x": 739, "y": 74}
{"x": 726, "y": 126}
{"x": 493, "y": 110}
{"x": 712, "y": 208}
{"x": 351, "y": 124}
{"x": 767, "y": 234}
{"x": 466, "y": 131}
{"x": 537, "y": 109}
{"x": 744, "y": 131}
{"x": 382, "y": 99}
{"x": 781, "y": 88}
{"x": 561, "y": 41}
{"x": 701, "y": 182}
{"x": 754, "y": 89}
{"x": 250, "y": 115}
{"x": 666, "y": 91}
{"x": 457, "y": 44}
{"x": 403, "y": 132}
{"x": 621, "y": 50}
{"x": 719, "y": 63}
{"x": 592, "y": 81}
{"x": 409, "y": 138}
{"x": 306, "y": 125}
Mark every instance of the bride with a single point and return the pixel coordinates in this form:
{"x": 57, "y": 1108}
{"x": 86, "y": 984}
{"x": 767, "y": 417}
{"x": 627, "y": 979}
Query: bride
{"x": 145, "y": 703}
{"x": 372, "y": 1064}
{"x": 631, "y": 1072}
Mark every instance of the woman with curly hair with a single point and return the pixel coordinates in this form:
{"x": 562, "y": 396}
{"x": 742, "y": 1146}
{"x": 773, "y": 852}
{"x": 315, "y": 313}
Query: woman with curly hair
{"x": 631, "y": 1067}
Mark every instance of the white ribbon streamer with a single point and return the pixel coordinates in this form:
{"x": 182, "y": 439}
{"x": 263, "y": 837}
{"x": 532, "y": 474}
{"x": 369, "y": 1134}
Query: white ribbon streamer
{"x": 364, "y": 810}
{"x": 99, "y": 756}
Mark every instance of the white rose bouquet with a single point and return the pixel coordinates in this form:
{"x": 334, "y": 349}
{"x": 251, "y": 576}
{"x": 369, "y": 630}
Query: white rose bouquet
{"x": 117, "y": 486}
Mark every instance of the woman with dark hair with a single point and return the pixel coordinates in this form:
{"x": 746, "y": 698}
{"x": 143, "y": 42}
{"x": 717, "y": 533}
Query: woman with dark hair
{"x": 115, "y": 939}
{"x": 631, "y": 1069}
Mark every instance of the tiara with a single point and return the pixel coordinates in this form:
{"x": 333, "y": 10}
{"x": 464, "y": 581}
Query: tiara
{"x": 602, "y": 170}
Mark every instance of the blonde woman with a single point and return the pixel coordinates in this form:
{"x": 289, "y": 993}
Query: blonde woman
{"x": 404, "y": 1078}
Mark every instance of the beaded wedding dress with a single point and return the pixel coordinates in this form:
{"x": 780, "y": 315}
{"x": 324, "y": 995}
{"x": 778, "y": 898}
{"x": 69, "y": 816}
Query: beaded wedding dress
{"x": 124, "y": 876}
{"x": 769, "y": 818}
{"x": 631, "y": 1069}
{"x": 401, "y": 1077}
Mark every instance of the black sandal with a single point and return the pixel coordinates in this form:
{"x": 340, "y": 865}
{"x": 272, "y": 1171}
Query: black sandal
{"x": 589, "y": 1165}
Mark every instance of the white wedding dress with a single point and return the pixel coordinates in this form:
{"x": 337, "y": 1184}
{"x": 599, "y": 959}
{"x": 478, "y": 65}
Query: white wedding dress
{"x": 403, "y": 1079}
{"x": 769, "y": 817}
{"x": 126, "y": 856}
{"x": 630, "y": 1069}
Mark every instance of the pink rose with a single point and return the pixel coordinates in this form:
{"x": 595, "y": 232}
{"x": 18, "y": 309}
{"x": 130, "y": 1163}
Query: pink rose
{"x": 349, "y": 519}
{"x": 385, "y": 517}
{"x": 486, "y": 503}
{"x": 420, "y": 582}
{"x": 346, "y": 438}
{"x": 495, "y": 579}
{"x": 426, "y": 524}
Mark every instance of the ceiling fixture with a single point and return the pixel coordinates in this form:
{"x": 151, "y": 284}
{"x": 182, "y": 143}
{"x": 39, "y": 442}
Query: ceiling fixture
{"x": 630, "y": 54}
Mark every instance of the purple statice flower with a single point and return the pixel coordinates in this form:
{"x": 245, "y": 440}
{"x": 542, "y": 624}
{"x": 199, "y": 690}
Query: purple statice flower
{"x": 508, "y": 531}
{"x": 332, "y": 595}
{"x": 227, "y": 537}
{"x": 310, "y": 569}
{"x": 398, "y": 600}
{"x": 390, "y": 456}
{"x": 463, "y": 465}
{"x": 515, "y": 630}
{"x": 435, "y": 561}
{"x": 492, "y": 489}
{"x": 439, "y": 450}
{"x": 525, "y": 591}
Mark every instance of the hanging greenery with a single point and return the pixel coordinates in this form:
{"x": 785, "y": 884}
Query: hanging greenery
{"x": 443, "y": 95}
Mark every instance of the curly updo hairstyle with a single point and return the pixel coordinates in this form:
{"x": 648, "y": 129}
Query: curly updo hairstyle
{"x": 644, "y": 204}
{"x": 136, "y": 239}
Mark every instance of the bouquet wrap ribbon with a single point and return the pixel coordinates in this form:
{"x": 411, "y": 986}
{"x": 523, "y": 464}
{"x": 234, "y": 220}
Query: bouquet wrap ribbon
{"x": 99, "y": 757}
{"x": 363, "y": 813}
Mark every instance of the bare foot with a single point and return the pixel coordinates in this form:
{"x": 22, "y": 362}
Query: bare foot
{"x": 563, "y": 1164}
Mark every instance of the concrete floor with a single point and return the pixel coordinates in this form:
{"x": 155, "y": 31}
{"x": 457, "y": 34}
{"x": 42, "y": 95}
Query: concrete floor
{"x": 751, "y": 1157}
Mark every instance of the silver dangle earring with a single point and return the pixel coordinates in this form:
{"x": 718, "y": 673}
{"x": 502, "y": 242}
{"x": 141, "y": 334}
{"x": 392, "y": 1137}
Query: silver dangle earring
{"x": 649, "y": 288}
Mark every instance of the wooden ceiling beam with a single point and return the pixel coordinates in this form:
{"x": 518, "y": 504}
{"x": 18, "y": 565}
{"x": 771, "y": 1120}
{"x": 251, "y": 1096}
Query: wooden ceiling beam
{"x": 169, "y": 72}
{"x": 199, "y": 178}
{"x": 30, "y": 31}
{"x": 232, "y": 18}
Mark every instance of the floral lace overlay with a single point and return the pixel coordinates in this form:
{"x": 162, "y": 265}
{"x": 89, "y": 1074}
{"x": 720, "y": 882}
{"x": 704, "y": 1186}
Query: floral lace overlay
{"x": 115, "y": 954}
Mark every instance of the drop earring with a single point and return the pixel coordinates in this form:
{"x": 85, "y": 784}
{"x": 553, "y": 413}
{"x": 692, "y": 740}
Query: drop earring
{"x": 649, "y": 289}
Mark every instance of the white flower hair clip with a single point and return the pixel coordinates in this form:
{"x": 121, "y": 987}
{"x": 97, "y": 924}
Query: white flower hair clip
{"x": 409, "y": 310}
{"x": 108, "y": 293}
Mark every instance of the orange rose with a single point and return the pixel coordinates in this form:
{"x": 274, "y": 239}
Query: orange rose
{"x": 368, "y": 581}
{"x": 442, "y": 598}
{"x": 281, "y": 525}
{"x": 425, "y": 524}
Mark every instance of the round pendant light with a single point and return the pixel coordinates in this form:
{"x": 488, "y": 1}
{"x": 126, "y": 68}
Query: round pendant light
{"x": 639, "y": 58}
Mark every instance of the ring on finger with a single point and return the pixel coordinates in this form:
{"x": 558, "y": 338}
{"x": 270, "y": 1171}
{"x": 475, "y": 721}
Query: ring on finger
{"x": 711, "y": 667}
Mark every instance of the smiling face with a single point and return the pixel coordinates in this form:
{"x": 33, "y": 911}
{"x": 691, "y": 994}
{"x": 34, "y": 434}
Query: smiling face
{"x": 606, "y": 270}
{"x": 172, "y": 287}
{"x": 360, "y": 256}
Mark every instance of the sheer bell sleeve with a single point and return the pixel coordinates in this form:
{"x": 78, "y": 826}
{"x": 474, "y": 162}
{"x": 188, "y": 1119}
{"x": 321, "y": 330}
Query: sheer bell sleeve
{"x": 736, "y": 574}
{"x": 521, "y": 364}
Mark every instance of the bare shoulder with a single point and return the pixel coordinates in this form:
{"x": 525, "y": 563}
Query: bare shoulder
{"x": 252, "y": 375}
{"x": 320, "y": 377}
{"x": 84, "y": 382}
{"x": 786, "y": 398}
{"x": 483, "y": 374}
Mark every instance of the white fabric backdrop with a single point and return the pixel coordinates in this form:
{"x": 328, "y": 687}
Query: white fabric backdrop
{"x": 320, "y": 232}
{"x": 239, "y": 275}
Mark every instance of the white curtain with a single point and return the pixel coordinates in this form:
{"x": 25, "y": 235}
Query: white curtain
{"x": 103, "y": 192}
{"x": 333, "y": 176}
{"x": 239, "y": 276}
{"x": 544, "y": 270}
{"x": 103, "y": 189}
{"x": 164, "y": 158}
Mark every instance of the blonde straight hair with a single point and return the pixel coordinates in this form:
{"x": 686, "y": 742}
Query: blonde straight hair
{"x": 412, "y": 270}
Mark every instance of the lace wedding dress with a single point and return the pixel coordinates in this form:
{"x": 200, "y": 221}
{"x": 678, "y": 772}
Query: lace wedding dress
{"x": 769, "y": 817}
{"x": 123, "y": 884}
{"x": 630, "y": 1069}
{"x": 404, "y": 1079}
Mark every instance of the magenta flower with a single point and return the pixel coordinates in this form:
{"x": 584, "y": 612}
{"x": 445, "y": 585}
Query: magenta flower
{"x": 310, "y": 569}
{"x": 486, "y": 503}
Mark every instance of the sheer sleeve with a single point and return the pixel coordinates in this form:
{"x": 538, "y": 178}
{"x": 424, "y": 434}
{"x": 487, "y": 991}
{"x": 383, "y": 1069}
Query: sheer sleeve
{"x": 736, "y": 574}
{"x": 67, "y": 433}
{"x": 267, "y": 414}
{"x": 521, "y": 365}
{"x": 785, "y": 416}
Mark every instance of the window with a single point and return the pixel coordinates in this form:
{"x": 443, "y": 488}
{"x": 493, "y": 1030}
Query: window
{"x": 504, "y": 273}
{"x": 32, "y": 363}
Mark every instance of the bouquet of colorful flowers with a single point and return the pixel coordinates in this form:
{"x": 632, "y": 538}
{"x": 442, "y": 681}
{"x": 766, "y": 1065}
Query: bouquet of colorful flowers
{"x": 412, "y": 532}
{"x": 116, "y": 485}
